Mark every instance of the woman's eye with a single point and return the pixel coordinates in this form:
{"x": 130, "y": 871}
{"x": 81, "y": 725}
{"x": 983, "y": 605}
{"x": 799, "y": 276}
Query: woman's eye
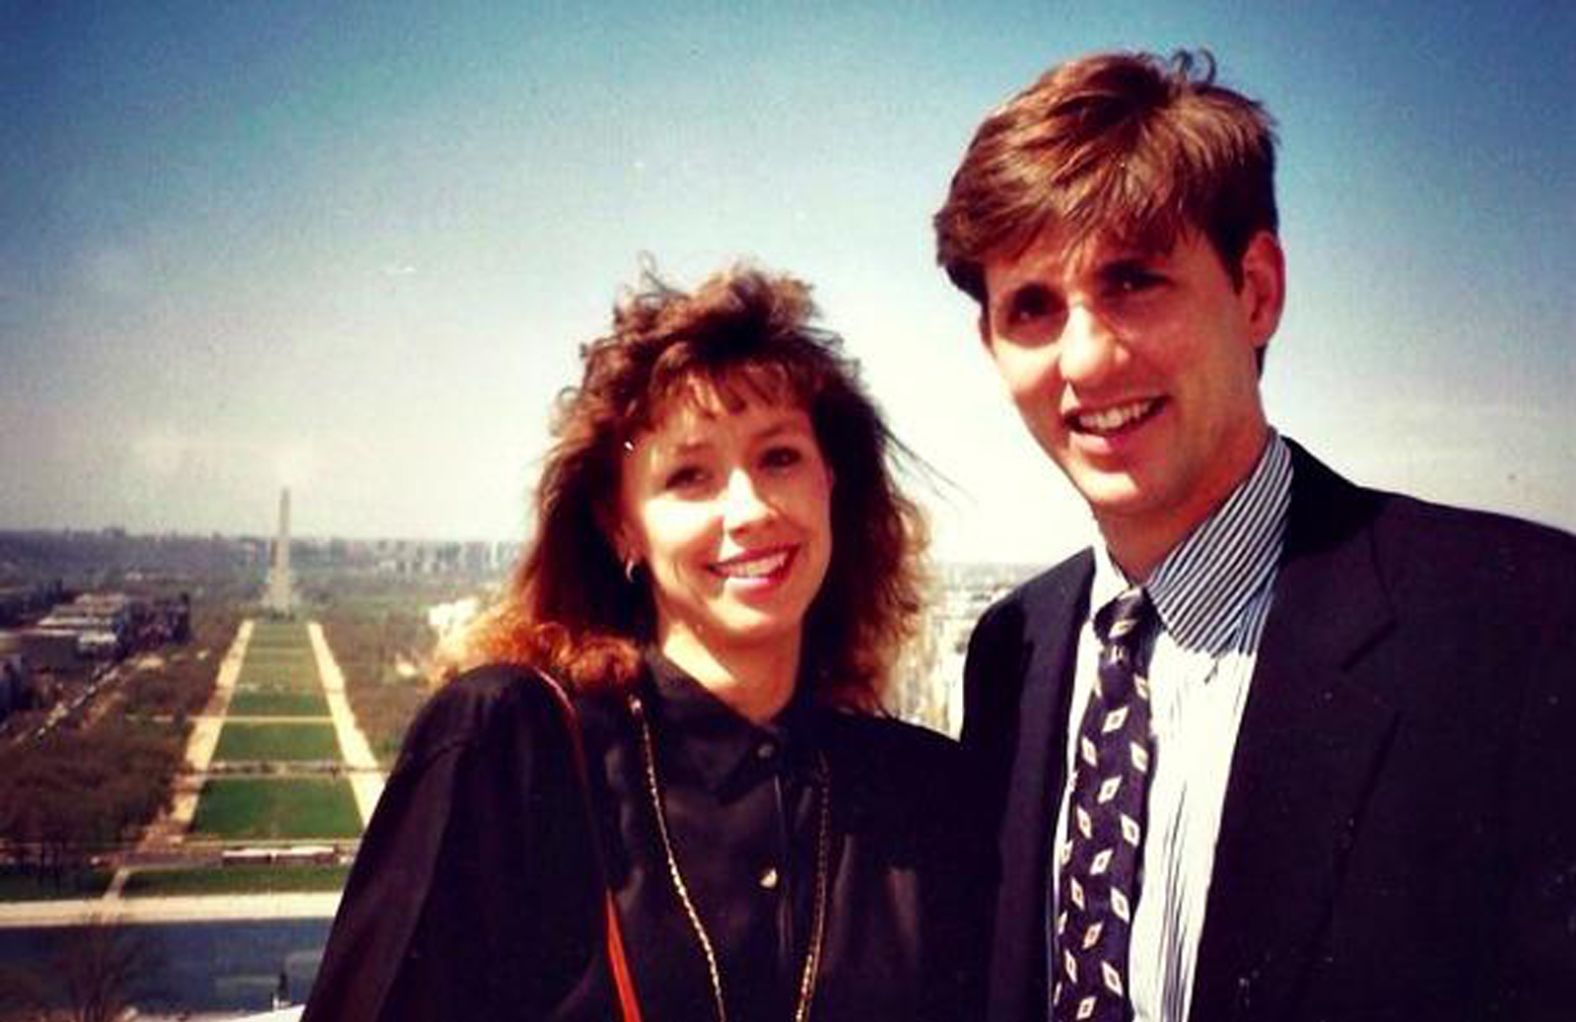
{"x": 685, "y": 477}
{"x": 781, "y": 457}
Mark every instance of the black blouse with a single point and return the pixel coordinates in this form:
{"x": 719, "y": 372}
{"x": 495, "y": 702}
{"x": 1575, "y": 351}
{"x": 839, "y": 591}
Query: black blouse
{"x": 477, "y": 895}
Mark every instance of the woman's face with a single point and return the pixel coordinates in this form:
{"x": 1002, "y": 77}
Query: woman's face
{"x": 730, "y": 513}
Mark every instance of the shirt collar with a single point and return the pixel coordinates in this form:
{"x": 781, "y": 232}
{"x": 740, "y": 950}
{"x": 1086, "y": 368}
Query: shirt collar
{"x": 724, "y": 750}
{"x": 1202, "y": 586}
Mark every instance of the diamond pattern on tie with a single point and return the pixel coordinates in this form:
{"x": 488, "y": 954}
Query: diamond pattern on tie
{"x": 1098, "y": 865}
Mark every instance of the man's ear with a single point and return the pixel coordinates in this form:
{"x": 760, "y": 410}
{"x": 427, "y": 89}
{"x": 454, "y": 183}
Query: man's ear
{"x": 1263, "y": 291}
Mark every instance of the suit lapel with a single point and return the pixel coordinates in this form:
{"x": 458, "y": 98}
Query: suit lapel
{"x": 1053, "y": 611}
{"x": 1310, "y": 741}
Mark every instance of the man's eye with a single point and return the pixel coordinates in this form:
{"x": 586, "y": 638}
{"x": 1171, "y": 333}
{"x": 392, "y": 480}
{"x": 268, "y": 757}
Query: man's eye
{"x": 1132, "y": 279}
{"x": 1028, "y": 304}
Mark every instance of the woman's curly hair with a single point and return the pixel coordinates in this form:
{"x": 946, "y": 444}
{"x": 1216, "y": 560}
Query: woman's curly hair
{"x": 743, "y": 335}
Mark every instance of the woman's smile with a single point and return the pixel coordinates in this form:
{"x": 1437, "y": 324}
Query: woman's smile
{"x": 757, "y": 569}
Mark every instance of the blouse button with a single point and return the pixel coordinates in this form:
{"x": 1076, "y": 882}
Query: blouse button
{"x": 765, "y": 750}
{"x": 769, "y": 878}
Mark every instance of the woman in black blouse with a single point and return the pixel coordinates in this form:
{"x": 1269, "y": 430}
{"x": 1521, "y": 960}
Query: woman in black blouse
{"x": 722, "y": 574}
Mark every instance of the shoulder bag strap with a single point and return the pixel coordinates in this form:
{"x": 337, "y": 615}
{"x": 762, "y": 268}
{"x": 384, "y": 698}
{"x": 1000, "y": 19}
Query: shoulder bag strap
{"x": 618, "y": 962}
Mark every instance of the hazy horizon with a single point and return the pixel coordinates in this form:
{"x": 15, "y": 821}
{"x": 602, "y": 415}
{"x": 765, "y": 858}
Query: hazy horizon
{"x": 356, "y": 252}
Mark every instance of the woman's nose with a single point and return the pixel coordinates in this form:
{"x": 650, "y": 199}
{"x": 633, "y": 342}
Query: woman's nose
{"x": 743, "y": 504}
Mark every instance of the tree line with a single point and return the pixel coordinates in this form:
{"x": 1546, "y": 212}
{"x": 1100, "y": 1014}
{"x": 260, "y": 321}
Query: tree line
{"x": 369, "y": 646}
{"x": 90, "y": 787}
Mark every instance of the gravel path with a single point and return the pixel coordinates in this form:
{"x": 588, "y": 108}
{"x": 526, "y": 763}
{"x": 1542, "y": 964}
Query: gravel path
{"x": 366, "y": 779}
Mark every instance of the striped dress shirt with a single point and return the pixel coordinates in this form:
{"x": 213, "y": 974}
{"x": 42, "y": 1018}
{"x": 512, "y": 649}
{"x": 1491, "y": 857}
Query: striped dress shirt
{"x": 1212, "y": 594}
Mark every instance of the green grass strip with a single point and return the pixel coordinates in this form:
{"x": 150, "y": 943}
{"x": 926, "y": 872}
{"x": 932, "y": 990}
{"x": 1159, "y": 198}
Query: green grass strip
{"x": 300, "y": 679}
{"x": 240, "y": 741}
{"x": 294, "y": 646}
{"x": 279, "y": 653}
{"x": 292, "y": 662}
{"x": 274, "y": 703}
{"x": 279, "y": 645}
{"x": 277, "y": 627}
{"x": 278, "y": 808}
{"x": 148, "y": 883}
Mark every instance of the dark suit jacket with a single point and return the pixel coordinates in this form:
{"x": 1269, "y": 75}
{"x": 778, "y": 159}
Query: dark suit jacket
{"x": 1399, "y": 832}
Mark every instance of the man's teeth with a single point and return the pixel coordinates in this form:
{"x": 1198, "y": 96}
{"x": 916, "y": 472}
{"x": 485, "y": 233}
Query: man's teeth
{"x": 755, "y": 567}
{"x": 1109, "y": 419}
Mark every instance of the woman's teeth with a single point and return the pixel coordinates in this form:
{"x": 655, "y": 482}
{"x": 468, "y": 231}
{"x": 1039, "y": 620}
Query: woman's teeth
{"x": 752, "y": 567}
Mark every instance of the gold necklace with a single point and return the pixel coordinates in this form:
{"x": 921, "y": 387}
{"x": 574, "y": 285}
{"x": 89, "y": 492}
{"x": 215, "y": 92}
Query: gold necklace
{"x": 812, "y": 954}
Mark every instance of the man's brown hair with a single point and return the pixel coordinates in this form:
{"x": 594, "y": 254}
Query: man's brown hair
{"x": 1129, "y": 146}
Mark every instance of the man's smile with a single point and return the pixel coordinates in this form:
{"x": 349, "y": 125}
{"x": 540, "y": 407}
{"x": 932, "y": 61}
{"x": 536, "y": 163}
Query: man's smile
{"x": 1115, "y": 419}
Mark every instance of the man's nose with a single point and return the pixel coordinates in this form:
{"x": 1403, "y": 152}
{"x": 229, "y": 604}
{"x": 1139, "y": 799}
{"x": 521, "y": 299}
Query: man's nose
{"x": 1089, "y": 347}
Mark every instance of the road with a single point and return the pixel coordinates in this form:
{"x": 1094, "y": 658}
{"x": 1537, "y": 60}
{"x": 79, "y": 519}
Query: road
{"x": 180, "y": 909}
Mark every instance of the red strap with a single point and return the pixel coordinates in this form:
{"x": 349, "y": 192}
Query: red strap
{"x": 618, "y": 962}
{"x": 628, "y": 1003}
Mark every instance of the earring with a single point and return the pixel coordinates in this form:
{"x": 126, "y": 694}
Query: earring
{"x": 630, "y": 564}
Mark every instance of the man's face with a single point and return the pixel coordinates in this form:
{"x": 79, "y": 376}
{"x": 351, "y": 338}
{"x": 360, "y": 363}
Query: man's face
{"x": 1136, "y": 371}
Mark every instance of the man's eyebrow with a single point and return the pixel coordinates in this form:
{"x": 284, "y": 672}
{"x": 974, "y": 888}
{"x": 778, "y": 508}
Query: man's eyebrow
{"x": 1023, "y": 287}
{"x": 1124, "y": 260}
{"x": 1126, "y": 263}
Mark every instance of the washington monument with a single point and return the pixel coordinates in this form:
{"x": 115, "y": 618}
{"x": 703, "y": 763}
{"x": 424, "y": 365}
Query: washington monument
{"x": 280, "y": 597}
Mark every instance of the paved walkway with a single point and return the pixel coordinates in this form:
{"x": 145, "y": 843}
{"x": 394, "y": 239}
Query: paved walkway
{"x": 366, "y": 779}
{"x": 197, "y": 908}
{"x": 205, "y": 738}
{"x": 169, "y": 829}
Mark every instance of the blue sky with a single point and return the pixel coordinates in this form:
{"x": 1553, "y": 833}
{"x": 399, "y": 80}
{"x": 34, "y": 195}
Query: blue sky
{"x": 245, "y": 243}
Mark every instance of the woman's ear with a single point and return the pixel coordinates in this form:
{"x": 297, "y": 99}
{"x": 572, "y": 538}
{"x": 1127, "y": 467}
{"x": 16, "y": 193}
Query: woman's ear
{"x": 626, "y": 545}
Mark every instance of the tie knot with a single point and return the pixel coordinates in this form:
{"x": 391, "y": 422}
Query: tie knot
{"x": 1121, "y": 622}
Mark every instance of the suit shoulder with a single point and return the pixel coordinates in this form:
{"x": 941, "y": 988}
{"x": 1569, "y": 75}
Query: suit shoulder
{"x": 1423, "y": 539}
{"x": 1051, "y": 584}
{"x": 1054, "y": 585}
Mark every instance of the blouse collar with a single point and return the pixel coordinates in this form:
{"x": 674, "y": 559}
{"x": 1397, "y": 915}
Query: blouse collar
{"x": 724, "y": 750}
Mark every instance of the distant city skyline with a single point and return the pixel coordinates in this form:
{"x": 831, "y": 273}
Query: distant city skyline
{"x": 276, "y": 245}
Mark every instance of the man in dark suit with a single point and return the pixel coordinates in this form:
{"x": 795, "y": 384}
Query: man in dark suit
{"x": 1279, "y": 747}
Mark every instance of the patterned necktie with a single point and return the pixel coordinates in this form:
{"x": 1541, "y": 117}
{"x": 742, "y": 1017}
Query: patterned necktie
{"x": 1098, "y": 863}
